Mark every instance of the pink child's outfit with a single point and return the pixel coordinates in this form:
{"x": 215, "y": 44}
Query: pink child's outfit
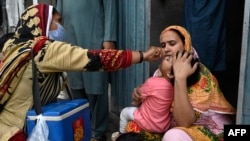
{"x": 153, "y": 114}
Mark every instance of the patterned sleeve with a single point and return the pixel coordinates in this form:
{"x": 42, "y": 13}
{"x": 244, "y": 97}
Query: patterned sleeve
{"x": 60, "y": 56}
{"x": 108, "y": 60}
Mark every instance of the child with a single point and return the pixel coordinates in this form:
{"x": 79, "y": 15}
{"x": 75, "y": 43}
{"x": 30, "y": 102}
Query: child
{"x": 152, "y": 114}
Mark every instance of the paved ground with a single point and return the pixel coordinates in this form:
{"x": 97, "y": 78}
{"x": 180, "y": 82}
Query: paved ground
{"x": 113, "y": 125}
{"x": 113, "y": 120}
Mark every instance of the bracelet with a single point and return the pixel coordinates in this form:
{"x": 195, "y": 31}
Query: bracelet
{"x": 141, "y": 56}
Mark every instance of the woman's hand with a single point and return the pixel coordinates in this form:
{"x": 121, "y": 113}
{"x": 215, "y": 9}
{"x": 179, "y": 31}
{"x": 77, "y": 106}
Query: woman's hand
{"x": 182, "y": 65}
{"x": 108, "y": 45}
{"x": 182, "y": 69}
{"x": 153, "y": 53}
{"x": 136, "y": 96}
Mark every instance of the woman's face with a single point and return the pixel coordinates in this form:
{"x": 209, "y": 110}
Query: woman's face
{"x": 56, "y": 32}
{"x": 171, "y": 42}
{"x": 55, "y": 19}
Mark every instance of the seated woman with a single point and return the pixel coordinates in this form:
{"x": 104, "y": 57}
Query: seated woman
{"x": 199, "y": 111}
{"x": 153, "y": 112}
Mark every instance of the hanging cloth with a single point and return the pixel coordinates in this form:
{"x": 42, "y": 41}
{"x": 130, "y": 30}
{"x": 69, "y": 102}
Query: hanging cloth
{"x": 14, "y": 10}
{"x": 205, "y": 20}
{"x": 35, "y": 1}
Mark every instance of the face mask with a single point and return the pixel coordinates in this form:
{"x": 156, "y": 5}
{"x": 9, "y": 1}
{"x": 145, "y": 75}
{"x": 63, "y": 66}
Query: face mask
{"x": 58, "y": 34}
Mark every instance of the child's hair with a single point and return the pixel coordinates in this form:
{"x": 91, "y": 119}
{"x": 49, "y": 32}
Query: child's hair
{"x": 130, "y": 137}
{"x": 192, "y": 79}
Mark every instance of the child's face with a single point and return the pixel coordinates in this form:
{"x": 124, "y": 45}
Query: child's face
{"x": 166, "y": 67}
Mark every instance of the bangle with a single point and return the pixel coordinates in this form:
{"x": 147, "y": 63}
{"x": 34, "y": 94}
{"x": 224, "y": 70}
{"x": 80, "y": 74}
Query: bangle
{"x": 141, "y": 56}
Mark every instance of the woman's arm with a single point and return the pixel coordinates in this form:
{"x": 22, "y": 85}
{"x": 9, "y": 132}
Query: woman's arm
{"x": 61, "y": 56}
{"x": 184, "y": 114}
{"x": 112, "y": 60}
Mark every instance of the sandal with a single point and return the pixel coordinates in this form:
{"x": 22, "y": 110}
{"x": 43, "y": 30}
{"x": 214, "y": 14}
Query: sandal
{"x": 115, "y": 136}
{"x": 99, "y": 138}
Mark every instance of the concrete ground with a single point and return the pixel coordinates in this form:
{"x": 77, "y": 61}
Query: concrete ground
{"x": 113, "y": 125}
{"x": 113, "y": 120}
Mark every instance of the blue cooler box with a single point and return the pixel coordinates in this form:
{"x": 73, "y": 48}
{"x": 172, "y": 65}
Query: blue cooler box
{"x": 68, "y": 120}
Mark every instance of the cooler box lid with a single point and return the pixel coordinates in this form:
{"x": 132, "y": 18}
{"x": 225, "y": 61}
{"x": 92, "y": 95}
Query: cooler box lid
{"x": 60, "y": 110}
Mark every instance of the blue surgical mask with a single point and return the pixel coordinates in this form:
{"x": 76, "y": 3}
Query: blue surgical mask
{"x": 58, "y": 34}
